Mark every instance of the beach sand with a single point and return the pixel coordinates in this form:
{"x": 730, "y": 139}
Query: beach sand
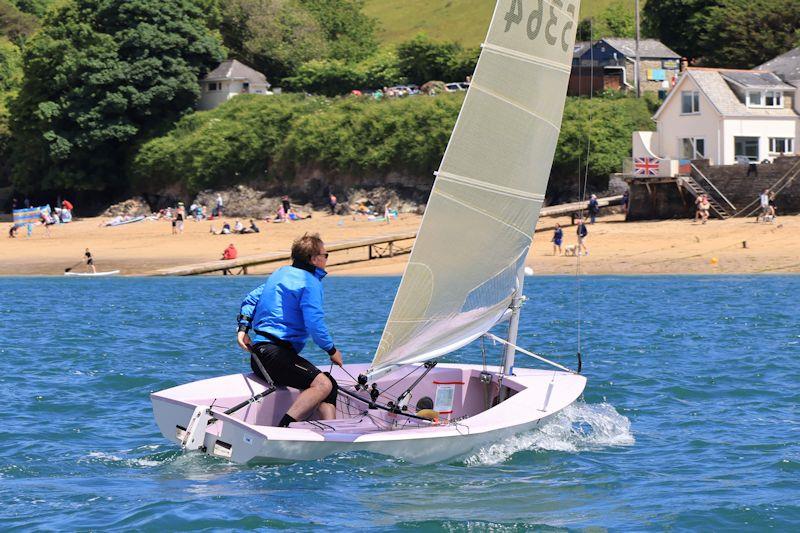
{"x": 615, "y": 246}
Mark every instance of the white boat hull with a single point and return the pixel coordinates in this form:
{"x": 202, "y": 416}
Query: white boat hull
{"x": 250, "y": 434}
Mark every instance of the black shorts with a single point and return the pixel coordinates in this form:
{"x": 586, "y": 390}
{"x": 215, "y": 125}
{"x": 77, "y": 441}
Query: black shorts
{"x": 287, "y": 368}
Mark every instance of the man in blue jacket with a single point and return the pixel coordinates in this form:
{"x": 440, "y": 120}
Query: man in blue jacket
{"x": 281, "y": 314}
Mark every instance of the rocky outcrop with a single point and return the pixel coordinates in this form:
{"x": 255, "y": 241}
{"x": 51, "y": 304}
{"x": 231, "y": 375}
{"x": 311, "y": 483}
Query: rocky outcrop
{"x": 133, "y": 207}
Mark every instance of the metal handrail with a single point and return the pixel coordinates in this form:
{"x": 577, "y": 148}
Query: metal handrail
{"x": 714, "y": 187}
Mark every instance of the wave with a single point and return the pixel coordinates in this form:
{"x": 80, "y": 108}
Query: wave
{"x": 576, "y": 428}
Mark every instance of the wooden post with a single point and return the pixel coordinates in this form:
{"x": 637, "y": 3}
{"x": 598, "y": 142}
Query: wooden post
{"x": 391, "y": 249}
{"x": 370, "y": 252}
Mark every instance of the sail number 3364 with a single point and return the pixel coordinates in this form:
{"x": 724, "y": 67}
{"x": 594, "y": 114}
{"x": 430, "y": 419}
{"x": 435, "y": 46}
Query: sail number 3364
{"x": 541, "y": 18}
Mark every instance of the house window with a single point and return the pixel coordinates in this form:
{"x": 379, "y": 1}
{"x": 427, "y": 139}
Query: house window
{"x": 781, "y": 145}
{"x": 690, "y": 102}
{"x": 213, "y": 87}
{"x": 764, "y": 99}
{"x": 746, "y": 147}
{"x": 693, "y": 148}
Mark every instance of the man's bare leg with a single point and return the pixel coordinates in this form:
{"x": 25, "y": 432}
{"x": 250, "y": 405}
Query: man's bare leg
{"x": 327, "y": 411}
{"x": 310, "y": 398}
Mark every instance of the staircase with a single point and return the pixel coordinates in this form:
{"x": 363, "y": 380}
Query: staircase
{"x": 723, "y": 209}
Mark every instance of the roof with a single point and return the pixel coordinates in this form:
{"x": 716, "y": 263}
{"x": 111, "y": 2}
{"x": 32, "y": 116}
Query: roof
{"x": 647, "y": 48}
{"x": 755, "y": 79}
{"x": 786, "y": 66}
{"x": 231, "y": 69}
{"x": 579, "y": 48}
{"x": 714, "y": 86}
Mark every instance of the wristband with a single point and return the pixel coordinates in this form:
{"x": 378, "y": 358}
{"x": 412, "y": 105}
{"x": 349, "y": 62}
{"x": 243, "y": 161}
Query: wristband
{"x": 244, "y": 327}
{"x": 332, "y": 351}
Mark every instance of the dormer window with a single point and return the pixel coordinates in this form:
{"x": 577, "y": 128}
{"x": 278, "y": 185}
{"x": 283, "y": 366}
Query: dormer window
{"x": 765, "y": 99}
{"x": 690, "y": 102}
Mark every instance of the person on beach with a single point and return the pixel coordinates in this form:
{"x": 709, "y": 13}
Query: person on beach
{"x": 764, "y": 200}
{"x": 558, "y": 237}
{"x": 90, "y": 262}
{"x": 238, "y": 227}
{"x": 703, "y": 207}
{"x": 594, "y": 208}
{"x": 220, "y": 206}
{"x": 281, "y": 314}
{"x": 180, "y": 215}
{"x": 332, "y": 201}
{"x": 583, "y": 232}
{"x": 626, "y": 198}
{"x": 387, "y": 211}
{"x": 12, "y": 231}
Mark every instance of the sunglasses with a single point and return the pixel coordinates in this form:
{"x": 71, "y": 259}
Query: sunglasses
{"x": 324, "y": 255}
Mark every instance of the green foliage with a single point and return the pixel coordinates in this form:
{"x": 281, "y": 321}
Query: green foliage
{"x": 101, "y": 76}
{"x": 16, "y": 24}
{"x": 422, "y": 59}
{"x": 607, "y": 124}
{"x": 238, "y": 140}
{"x": 34, "y": 7}
{"x": 746, "y": 33}
{"x": 725, "y": 33}
{"x": 273, "y": 36}
{"x": 251, "y": 137}
{"x": 350, "y": 33}
{"x": 461, "y": 21}
{"x": 10, "y": 80}
{"x": 333, "y": 77}
{"x": 616, "y": 20}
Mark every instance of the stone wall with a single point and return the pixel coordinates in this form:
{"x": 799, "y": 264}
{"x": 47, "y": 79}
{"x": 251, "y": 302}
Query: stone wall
{"x": 743, "y": 190}
{"x": 655, "y": 199}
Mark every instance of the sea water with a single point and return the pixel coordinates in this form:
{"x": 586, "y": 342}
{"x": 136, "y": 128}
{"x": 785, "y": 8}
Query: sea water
{"x": 689, "y": 420}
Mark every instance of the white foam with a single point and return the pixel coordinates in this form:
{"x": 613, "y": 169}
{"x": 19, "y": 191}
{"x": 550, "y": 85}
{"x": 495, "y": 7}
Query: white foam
{"x": 110, "y": 458}
{"x": 577, "y": 428}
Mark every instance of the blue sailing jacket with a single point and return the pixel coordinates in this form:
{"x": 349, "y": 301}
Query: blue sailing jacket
{"x": 288, "y": 307}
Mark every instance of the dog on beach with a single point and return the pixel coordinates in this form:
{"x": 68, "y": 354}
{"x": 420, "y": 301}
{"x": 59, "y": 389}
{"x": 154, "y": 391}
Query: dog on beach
{"x": 571, "y": 249}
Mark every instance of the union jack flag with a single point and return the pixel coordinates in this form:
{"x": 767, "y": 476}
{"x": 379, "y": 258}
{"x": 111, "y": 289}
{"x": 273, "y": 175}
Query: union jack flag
{"x": 645, "y": 166}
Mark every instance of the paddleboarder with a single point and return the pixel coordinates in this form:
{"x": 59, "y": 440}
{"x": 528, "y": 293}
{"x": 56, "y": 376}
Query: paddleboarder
{"x": 281, "y": 314}
{"x": 90, "y": 262}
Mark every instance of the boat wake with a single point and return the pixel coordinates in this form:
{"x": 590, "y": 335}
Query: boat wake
{"x": 579, "y": 427}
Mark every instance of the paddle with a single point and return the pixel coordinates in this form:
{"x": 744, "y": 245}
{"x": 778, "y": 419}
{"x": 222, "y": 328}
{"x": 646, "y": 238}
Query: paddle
{"x": 73, "y": 266}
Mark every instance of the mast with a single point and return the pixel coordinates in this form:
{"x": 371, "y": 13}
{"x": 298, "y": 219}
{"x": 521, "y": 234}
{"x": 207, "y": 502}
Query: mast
{"x": 513, "y": 326}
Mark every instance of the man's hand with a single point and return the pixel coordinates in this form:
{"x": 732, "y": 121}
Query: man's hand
{"x": 244, "y": 341}
{"x": 336, "y": 358}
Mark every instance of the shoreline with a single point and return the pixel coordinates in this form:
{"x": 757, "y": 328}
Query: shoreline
{"x": 617, "y": 248}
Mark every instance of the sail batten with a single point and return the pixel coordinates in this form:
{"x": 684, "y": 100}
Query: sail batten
{"x": 478, "y": 225}
{"x": 514, "y": 54}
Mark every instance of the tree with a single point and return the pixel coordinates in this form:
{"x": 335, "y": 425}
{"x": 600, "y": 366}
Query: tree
{"x": 15, "y": 24}
{"x": 10, "y": 80}
{"x": 349, "y": 32}
{"x": 746, "y": 33}
{"x": 616, "y": 20}
{"x": 273, "y": 36}
{"x": 675, "y": 23}
{"x": 34, "y": 7}
{"x": 422, "y": 59}
{"x": 101, "y": 76}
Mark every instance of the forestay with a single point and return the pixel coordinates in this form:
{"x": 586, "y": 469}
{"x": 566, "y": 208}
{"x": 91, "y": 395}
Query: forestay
{"x": 480, "y": 218}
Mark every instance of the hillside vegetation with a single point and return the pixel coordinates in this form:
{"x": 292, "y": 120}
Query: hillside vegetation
{"x": 463, "y": 21}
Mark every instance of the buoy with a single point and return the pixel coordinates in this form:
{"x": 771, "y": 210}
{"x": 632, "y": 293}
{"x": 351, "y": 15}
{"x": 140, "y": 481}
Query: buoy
{"x": 528, "y": 271}
{"x": 714, "y": 261}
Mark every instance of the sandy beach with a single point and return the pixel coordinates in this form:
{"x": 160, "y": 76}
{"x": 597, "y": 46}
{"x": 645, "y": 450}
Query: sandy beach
{"x": 734, "y": 246}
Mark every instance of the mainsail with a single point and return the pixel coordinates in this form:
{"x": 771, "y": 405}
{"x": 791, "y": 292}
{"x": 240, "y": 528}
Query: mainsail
{"x": 478, "y": 225}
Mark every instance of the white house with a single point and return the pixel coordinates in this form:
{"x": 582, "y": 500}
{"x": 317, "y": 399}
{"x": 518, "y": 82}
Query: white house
{"x": 723, "y": 116}
{"x": 230, "y": 79}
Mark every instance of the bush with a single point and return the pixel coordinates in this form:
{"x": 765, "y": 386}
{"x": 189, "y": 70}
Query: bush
{"x": 253, "y": 137}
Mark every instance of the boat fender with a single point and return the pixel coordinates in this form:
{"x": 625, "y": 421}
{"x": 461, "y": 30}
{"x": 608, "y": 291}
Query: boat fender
{"x": 334, "y": 390}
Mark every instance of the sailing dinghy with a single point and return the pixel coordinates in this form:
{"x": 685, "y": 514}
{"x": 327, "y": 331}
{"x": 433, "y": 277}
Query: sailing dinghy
{"x": 465, "y": 276}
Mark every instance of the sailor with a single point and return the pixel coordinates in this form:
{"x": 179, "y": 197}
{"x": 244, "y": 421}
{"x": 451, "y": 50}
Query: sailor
{"x": 277, "y": 318}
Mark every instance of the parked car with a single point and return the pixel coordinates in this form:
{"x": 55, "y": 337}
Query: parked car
{"x": 456, "y": 86}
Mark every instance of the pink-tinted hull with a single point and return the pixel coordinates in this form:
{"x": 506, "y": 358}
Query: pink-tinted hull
{"x": 250, "y": 434}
